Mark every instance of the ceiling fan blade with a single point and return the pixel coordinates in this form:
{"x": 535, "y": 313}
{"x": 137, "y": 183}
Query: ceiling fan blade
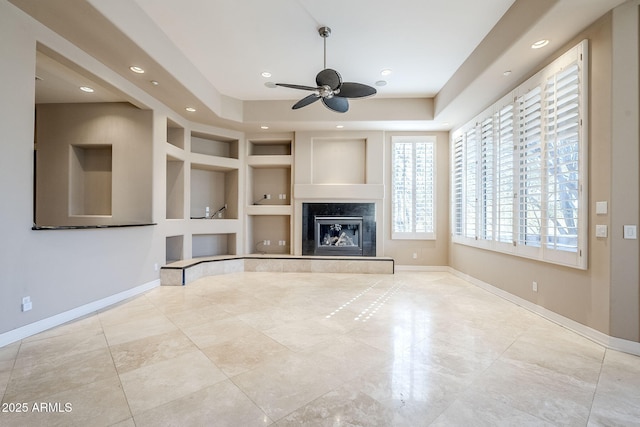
{"x": 329, "y": 77}
{"x": 305, "y": 101}
{"x": 356, "y": 90}
{"x": 296, "y": 86}
{"x": 337, "y": 103}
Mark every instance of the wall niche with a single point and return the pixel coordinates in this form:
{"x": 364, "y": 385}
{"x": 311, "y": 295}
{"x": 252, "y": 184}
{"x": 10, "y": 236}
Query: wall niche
{"x": 93, "y": 165}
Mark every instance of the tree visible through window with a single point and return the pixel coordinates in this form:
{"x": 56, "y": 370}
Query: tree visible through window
{"x": 413, "y": 187}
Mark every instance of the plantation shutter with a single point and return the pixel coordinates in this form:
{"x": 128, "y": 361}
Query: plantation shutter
{"x": 530, "y": 168}
{"x": 470, "y": 183}
{"x": 504, "y": 175}
{"x": 486, "y": 179}
{"x": 562, "y": 151}
{"x": 457, "y": 185}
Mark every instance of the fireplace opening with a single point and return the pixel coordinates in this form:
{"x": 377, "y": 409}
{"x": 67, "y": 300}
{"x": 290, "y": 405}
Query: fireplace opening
{"x": 339, "y": 229}
{"x": 338, "y": 235}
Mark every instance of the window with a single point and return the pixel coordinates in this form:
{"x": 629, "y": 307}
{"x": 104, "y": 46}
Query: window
{"x": 519, "y": 168}
{"x": 413, "y": 187}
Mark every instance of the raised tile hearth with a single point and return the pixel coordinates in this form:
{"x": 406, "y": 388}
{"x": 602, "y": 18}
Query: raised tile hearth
{"x": 183, "y": 272}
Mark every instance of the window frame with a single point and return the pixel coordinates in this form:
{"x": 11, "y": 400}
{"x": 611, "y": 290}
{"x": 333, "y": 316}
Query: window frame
{"x": 415, "y": 235}
{"x": 527, "y": 128}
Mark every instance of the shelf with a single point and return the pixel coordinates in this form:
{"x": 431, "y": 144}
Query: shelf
{"x": 213, "y": 188}
{"x": 213, "y": 145}
{"x": 206, "y": 245}
{"x": 269, "y": 210}
{"x": 270, "y": 234}
{"x": 274, "y": 182}
{"x": 205, "y": 162}
{"x": 269, "y": 161}
{"x": 270, "y": 147}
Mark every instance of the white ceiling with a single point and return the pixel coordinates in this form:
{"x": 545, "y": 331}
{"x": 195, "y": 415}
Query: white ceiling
{"x": 231, "y": 42}
{"x": 447, "y": 55}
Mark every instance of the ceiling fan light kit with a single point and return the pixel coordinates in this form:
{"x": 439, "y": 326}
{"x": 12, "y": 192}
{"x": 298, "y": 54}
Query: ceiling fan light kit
{"x": 330, "y": 88}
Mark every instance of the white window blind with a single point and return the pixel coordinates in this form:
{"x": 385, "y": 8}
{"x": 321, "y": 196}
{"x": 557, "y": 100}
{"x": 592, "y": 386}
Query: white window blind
{"x": 519, "y": 168}
{"x": 413, "y": 187}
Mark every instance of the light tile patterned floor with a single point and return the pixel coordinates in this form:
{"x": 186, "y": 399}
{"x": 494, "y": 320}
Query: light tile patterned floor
{"x": 257, "y": 349}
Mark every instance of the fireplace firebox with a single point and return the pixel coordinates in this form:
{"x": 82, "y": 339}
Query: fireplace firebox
{"x": 338, "y": 235}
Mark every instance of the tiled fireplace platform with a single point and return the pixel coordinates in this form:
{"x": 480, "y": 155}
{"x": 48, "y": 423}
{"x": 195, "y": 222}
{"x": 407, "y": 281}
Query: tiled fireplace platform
{"x": 180, "y": 273}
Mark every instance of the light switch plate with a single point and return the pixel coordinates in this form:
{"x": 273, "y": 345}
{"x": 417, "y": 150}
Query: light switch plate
{"x": 602, "y": 208}
{"x": 630, "y": 232}
{"x": 601, "y": 230}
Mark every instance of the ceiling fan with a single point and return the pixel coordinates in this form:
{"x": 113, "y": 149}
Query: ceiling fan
{"x": 330, "y": 87}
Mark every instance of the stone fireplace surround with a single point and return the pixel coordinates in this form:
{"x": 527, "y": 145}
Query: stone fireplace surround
{"x": 365, "y": 210}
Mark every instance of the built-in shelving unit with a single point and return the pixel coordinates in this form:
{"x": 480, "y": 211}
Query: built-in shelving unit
{"x": 204, "y": 177}
{"x": 269, "y": 208}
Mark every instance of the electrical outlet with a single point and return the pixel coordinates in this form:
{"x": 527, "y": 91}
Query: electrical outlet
{"x": 534, "y": 286}
{"x": 415, "y": 255}
{"x": 155, "y": 267}
{"x": 26, "y": 304}
{"x": 267, "y": 196}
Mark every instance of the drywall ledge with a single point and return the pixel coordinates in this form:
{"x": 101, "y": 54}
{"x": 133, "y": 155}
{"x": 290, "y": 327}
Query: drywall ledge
{"x": 87, "y": 227}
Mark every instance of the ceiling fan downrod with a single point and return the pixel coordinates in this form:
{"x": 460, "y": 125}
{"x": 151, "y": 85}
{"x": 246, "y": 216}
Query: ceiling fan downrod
{"x": 324, "y": 33}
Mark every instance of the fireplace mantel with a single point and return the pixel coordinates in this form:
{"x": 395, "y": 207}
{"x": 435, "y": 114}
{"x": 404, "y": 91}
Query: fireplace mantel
{"x": 309, "y": 192}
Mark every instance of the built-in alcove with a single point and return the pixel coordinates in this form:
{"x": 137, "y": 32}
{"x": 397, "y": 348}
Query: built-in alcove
{"x": 270, "y": 148}
{"x": 205, "y": 245}
{"x": 93, "y": 165}
{"x": 218, "y": 146}
{"x": 214, "y": 192}
{"x": 339, "y": 161}
{"x": 274, "y": 182}
{"x": 90, "y": 176}
{"x": 269, "y": 234}
{"x": 174, "y": 248}
{"x": 175, "y": 188}
{"x": 175, "y": 134}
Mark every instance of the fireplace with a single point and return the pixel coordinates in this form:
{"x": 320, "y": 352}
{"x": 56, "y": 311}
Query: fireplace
{"x": 338, "y": 229}
{"x": 338, "y": 235}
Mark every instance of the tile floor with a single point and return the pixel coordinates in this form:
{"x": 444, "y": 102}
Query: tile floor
{"x": 291, "y": 349}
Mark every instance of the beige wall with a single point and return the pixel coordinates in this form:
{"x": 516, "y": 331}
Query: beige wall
{"x": 587, "y": 296}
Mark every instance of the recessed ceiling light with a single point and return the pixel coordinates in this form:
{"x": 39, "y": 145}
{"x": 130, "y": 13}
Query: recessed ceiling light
{"x": 339, "y": 126}
{"x": 385, "y": 72}
{"x": 190, "y": 109}
{"x": 154, "y": 82}
{"x": 539, "y": 44}
{"x": 506, "y": 73}
{"x": 87, "y": 89}
{"x": 136, "y": 69}
{"x": 381, "y": 83}
{"x": 266, "y": 74}
{"x": 264, "y": 127}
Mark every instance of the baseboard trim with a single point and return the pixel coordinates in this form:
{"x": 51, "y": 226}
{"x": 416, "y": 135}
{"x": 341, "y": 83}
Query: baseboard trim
{"x": 75, "y": 313}
{"x": 598, "y": 337}
{"x": 423, "y": 268}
